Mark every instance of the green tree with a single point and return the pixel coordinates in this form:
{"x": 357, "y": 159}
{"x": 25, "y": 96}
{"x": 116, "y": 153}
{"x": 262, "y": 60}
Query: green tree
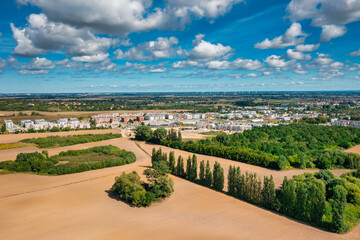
{"x": 180, "y": 167}
{"x": 325, "y": 175}
{"x": 193, "y": 170}
{"x": 268, "y": 193}
{"x": 172, "y": 162}
{"x": 202, "y": 172}
{"x": 3, "y": 128}
{"x": 238, "y": 183}
{"x": 188, "y": 168}
{"x": 208, "y": 175}
{"x": 282, "y": 163}
{"x": 224, "y": 139}
{"x": 287, "y": 197}
{"x": 338, "y": 204}
{"x": 180, "y": 136}
{"x": 160, "y": 134}
{"x": 317, "y": 201}
{"x": 231, "y": 180}
{"x": 143, "y": 133}
{"x": 163, "y": 187}
{"x": 127, "y": 186}
{"x": 218, "y": 177}
{"x": 46, "y": 153}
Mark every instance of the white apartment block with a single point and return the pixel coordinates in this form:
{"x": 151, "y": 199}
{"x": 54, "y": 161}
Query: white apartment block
{"x": 8, "y": 124}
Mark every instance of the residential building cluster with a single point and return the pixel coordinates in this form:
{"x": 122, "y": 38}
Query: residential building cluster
{"x": 346, "y": 123}
{"x": 42, "y": 124}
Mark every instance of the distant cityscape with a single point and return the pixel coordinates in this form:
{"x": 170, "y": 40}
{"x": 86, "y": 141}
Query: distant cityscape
{"x": 232, "y": 120}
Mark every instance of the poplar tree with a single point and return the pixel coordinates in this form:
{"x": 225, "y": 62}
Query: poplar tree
{"x": 338, "y": 204}
{"x": 218, "y": 177}
{"x": 180, "y": 167}
{"x": 208, "y": 175}
{"x": 231, "y": 180}
{"x": 153, "y": 155}
{"x": 238, "y": 183}
{"x": 317, "y": 198}
{"x": 193, "y": 170}
{"x": 182, "y": 171}
{"x": 202, "y": 172}
{"x": 268, "y": 193}
{"x": 188, "y": 168}
{"x": 179, "y": 136}
{"x": 287, "y": 197}
{"x": 172, "y": 162}
{"x": 164, "y": 157}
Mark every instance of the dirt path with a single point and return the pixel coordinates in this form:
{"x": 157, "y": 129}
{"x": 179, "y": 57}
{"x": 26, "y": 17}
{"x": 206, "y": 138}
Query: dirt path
{"x": 77, "y": 206}
{"x": 225, "y": 163}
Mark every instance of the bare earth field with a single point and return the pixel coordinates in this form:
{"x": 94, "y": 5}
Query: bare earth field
{"x": 354, "y": 149}
{"x": 77, "y": 206}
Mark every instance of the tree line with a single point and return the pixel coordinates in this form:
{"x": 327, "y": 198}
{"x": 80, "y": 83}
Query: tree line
{"x": 278, "y": 147}
{"x": 321, "y": 199}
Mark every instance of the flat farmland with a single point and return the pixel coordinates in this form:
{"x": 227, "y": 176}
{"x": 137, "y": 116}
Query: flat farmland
{"x": 77, "y": 206}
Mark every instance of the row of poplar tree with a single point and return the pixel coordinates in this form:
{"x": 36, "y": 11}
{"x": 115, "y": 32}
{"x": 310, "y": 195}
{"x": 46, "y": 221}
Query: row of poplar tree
{"x": 246, "y": 186}
{"x": 303, "y": 197}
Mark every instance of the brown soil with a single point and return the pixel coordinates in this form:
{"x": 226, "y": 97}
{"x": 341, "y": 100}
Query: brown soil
{"x": 77, "y": 206}
{"x": 354, "y": 149}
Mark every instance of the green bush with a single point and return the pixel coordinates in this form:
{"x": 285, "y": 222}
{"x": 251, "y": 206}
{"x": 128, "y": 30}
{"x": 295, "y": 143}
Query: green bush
{"x": 40, "y": 163}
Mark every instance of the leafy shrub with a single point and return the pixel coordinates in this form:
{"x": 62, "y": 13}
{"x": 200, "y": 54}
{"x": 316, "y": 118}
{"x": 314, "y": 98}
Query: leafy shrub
{"x": 39, "y": 163}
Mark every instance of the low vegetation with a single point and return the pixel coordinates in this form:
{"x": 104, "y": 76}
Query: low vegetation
{"x": 58, "y": 141}
{"x": 15, "y": 145}
{"x": 321, "y": 199}
{"x": 279, "y": 147}
{"x": 72, "y": 161}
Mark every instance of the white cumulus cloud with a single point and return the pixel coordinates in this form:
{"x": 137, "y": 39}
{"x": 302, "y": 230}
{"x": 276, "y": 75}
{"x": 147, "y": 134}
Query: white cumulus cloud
{"x": 307, "y": 47}
{"x": 204, "y": 50}
{"x": 293, "y": 36}
{"x": 355, "y": 53}
{"x": 331, "y": 31}
{"x": 121, "y": 17}
{"x": 153, "y": 50}
{"x": 42, "y": 35}
{"x": 291, "y": 53}
{"x": 325, "y": 12}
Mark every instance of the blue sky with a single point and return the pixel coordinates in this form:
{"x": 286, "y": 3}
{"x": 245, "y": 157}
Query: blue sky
{"x": 179, "y": 45}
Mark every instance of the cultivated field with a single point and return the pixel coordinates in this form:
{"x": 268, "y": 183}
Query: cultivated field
{"x": 77, "y": 206}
